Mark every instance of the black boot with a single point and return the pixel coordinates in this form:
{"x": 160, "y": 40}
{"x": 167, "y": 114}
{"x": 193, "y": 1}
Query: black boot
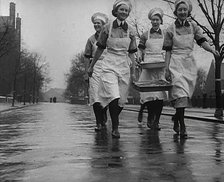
{"x": 104, "y": 120}
{"x": 97, "y": 108}
{"x": 140, "y": 113}
{"x": 157, "y": 110}
{"x": 115, "y": 110}
{"x": 175, "y": 124}
{"x": 151, "y": 116}
{"x": 183, "y": 133}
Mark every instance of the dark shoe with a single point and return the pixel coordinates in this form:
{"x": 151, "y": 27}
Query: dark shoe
{"x": 115, "y": 134}
{"x": 98, "y": 128}
{"x": 103, "y": 126}
{"x": 149, "y": 124}
{"x": 140, "y": 123}
{"x": 183, "y": 134}
{"x": 140, "y": 118}
{"x": 156, "y": 127}
{"x": 176, "y": 127}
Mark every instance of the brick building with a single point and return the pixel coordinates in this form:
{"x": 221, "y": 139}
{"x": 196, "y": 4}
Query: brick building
{"x": 10, "y": 44}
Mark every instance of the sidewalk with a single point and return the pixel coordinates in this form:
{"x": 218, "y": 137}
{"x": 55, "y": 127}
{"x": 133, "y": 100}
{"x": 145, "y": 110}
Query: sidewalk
{"x": 8, "y": 106}
{"x": 191, "y": 113}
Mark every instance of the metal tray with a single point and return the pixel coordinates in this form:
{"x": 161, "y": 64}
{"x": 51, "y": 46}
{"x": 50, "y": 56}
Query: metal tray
{"x": 153, "y": 65}
{"x": 147, "y": 86}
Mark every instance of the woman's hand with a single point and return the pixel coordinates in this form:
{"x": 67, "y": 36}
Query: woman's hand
{"x": 216, "y": 53}
{"x": 168, "y": 75}
{"x": 139, "y": 60}
{"x": 90, "y": 71}
{"x": 86, "y": 77}
{"x": 133, "y": 77}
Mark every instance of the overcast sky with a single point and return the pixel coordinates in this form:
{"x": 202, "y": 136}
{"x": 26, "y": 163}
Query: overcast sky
{"x": 59, "y": 29}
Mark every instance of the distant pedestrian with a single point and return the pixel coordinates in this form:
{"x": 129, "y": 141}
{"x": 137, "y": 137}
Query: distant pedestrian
{"x": 98, "y": 20}
{"x": 51, "y": 100}
{"x": 54, "y": 99}
{"x": 179, "y": 44}
{"x": 119, "y": 39}
{"x": 150, "y": 46}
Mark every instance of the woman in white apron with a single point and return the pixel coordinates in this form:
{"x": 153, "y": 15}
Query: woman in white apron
{"x": 98, "y": 19}
{"x": 119, "y": 39}
{"x": 151, "y": 43}
{"x": 179, "y": 44}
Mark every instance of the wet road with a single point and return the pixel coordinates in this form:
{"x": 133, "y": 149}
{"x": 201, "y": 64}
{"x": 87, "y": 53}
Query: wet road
{"x": 57, "y": 143}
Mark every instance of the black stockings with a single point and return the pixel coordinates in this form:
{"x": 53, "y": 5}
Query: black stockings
{"x": 154, "y": 110}
{"x": 115, "y": 110}
{"x": 99, "y": 113}
{"x": 179, "y": 116}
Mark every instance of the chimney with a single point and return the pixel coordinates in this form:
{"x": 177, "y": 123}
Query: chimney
{"x": 18, "y": 22}
{"x": 12, "y": 13}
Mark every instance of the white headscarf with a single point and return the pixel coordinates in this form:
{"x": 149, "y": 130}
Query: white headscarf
{"x": 119, "y": 2}
{"x": 99, "y": 16}
{"x": 155, "y": 11}
{"x": 187, "y": 2}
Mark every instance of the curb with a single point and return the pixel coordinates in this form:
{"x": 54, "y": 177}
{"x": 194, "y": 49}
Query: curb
{"x": 201, "y": 118}
{"x": 13, "y": 108}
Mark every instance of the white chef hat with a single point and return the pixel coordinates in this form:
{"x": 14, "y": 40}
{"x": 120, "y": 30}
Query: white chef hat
{"x": 156, "y": 11}
{"x": 120, "y": 2}
{"x": 187, "y": 2}
{"x": 99, "y": 16}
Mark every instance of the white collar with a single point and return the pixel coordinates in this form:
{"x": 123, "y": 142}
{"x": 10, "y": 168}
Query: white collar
{"x": 156, "y": 29}
{"x": 182, "y": 22}
{"x": 119, "y": 22}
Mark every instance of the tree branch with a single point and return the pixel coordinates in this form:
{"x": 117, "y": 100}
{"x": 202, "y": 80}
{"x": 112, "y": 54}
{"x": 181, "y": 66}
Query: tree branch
{"x": 206, "y": 14}
{"x": 219, "y": 13}
{"x": 206, "y": 7}
{"x": 168, "y": 1}
{"x": 213, "y": 12}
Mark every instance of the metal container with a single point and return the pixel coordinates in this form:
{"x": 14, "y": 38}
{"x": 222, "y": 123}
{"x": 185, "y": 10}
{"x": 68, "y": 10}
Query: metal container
{"x": 152, "y": 86}
{"x": 153, "y": 65}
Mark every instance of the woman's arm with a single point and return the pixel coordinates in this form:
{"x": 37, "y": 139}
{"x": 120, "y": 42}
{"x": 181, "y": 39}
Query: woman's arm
{"x": 87, "y": 63}
{"x": 97, "y": 55}
{"x": 201, "y": 40}
{"x": 133, "y": 66}
{"x": 140, "y": 55}
{"x": 167, "y": 58}
{"x": 208, "y": 48}
{"x": 167, "y": 61}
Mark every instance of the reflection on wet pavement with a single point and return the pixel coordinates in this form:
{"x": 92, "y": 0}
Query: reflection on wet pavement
{"x": 57, "y": 142}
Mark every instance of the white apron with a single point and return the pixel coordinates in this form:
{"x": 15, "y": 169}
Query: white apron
{"x": 182, "y": 66}
{"x": 115, "y": 77}
{"x": 153, "y": 54}
{"x": 95, "y": 79}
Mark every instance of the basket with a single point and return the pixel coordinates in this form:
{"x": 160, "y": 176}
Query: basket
{"x": 153, "y": 65}
{"x": 152, "y": 86}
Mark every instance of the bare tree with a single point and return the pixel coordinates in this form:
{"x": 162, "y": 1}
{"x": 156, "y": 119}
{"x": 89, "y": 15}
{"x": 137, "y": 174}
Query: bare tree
{"x": 39, "y": 65}
{"x": 32, "y": 75}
